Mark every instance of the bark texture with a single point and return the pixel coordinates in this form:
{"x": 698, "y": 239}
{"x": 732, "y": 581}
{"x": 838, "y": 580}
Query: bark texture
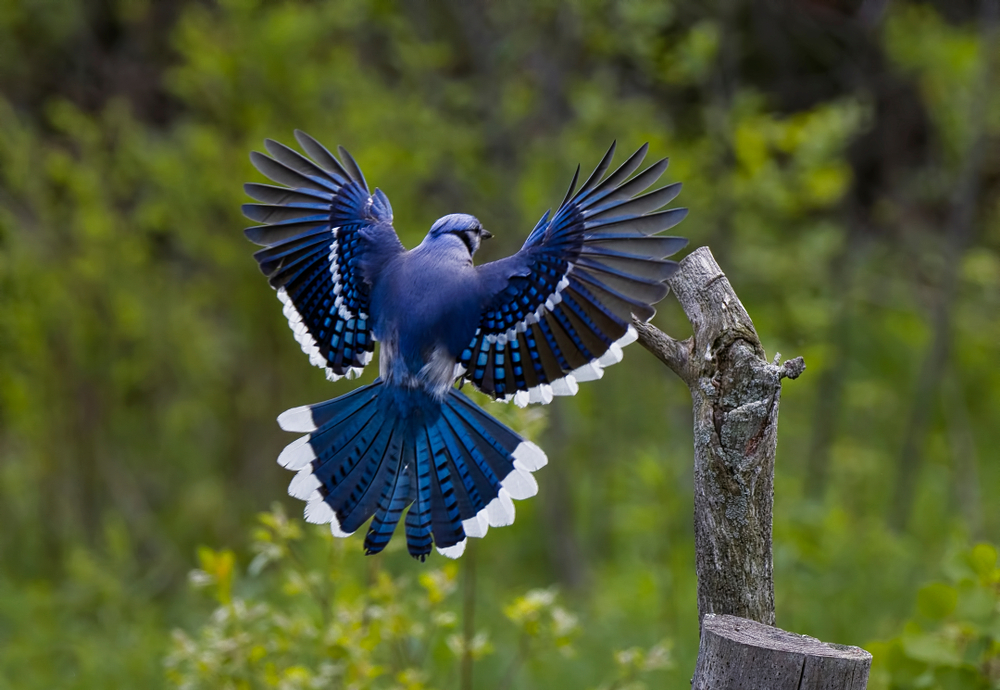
{"x": 736, "y": 394}
{"x": 742, "y": 654}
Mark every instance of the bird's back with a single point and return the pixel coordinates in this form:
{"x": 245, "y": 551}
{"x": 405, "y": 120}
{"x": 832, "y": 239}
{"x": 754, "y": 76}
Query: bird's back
{"x": 425, "y": 302}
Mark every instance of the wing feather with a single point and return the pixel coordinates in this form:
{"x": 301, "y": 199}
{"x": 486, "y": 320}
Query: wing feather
{"x": 560, "y": 309}
{"x": 317, "y": 231}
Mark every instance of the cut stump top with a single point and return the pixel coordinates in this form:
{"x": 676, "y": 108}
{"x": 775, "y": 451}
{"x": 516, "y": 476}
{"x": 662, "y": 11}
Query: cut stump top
{"x": 742, "y": 654}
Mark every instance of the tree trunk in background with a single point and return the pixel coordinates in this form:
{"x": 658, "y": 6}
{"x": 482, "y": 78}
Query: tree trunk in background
{"x": 899, "y": 131}
{"x": 960, "y": 231}
{"x": 965, "y": 456}
{"x": 830, "y": 390}
{"x": 719, "y": 91}
{"x": 564, "y": 549}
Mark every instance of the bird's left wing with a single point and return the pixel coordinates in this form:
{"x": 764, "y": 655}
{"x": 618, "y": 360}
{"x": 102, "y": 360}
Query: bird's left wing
{"x": 325, "y": 237}
{"x": 560, "y": 310}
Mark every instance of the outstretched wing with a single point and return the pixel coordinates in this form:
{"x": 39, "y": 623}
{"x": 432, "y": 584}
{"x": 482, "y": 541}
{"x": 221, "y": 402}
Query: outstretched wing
{"x": 325, "y": 237}
{"x": 560, "y": 310}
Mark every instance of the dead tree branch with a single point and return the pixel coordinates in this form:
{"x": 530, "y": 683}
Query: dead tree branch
{"x": 736, "y": 392}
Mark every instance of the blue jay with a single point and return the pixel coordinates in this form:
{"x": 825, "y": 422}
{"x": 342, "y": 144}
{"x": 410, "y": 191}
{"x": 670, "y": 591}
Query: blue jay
{"x": 524, "y": 328}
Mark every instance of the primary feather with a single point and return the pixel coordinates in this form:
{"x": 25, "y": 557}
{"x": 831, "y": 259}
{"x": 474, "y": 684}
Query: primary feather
{"x": 525, "y": 328}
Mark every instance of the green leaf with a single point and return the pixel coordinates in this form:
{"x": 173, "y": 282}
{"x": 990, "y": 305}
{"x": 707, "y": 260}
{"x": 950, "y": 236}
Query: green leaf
{"x": 983, "y": 559}
{"x": 937, "y": 600}
{"x": 932, "y": 649}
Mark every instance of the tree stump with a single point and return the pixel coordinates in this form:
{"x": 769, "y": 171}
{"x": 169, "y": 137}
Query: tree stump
{"x": 736, "y": 392}
{"x": 742, "y": 654}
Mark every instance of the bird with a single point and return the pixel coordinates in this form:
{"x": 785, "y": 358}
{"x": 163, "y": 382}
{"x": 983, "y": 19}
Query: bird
{"x": 522, "y": 329}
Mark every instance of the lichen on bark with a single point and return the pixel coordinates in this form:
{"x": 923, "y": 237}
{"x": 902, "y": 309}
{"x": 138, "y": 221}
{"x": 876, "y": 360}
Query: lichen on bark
{"x": 736, "y": 394}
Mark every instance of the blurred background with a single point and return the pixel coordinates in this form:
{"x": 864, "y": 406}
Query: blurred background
{"x": 840, "y": 158}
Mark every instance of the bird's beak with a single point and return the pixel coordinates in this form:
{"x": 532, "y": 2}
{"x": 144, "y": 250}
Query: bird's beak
{"x": 485, "y": 234}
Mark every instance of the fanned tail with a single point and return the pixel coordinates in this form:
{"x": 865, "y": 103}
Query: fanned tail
{"x": 380, "y": 449}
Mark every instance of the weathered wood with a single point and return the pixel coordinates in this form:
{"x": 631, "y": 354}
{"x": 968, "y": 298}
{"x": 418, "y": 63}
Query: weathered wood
{"x": 735, "y": 393}
{"x": 743, "y": 654}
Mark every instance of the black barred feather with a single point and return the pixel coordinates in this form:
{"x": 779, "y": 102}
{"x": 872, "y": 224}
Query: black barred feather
{"x": 291, "y": 270}
{"x": 569, "y": 295}
{"x": 363, "y": 499}
{"x": 418, "y": 518}
{"x": 614, "y": 297}
{"x": 600, "y": 321}
{"x": 479, "y": 454}
{"x": 394, "y": 499}
{"x": 631, "y": 286}
{"x": 480, "y": 482}
{"x": 446, "y": 517}
{"x": 470, "y": 482}
{"x": 315, "y": 232}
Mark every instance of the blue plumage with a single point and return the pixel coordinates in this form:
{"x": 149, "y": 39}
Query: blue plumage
{"x": 525, "y": 328}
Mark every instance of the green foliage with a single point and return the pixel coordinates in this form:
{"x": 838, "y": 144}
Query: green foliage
{"x": 953, "y": 641}
{"x": 312, "y": 612}
{"x": 142, "y": 357}
{"x": 537, "y": 616}
{"x": 97, "y": 627}
{"x": 947, "y": 61}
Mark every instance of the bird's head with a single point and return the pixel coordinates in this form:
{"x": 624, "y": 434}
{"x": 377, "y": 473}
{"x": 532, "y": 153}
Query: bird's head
{"x": 466, "y": 228}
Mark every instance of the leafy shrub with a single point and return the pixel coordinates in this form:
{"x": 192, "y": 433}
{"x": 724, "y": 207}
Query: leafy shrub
{"x": 312, "y": 612}
{"x": 953, "y": 639}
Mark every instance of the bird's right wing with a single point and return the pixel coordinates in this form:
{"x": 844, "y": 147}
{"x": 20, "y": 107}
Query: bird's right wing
{"x": 560, "y": 310}
{"x": 326, "y": 237}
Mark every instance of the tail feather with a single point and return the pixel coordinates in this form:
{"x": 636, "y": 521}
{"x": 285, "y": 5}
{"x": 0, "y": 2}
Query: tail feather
{"x": 344, "y": 452}
{"x": 495, "y": 441}
{"x": 395, "y": 497}
{"x": 471, "y": 451}
{"x": 365, "y": 493}
{"x": 326, "y": 446}
{"x": 418, "y": 517}
{"x": 506, "y": 437}
{"x": 309, "y": 418}
{"x": 492, "y": 459}
{"x": 452, "y": 464}
{"x": 446, "y": 519}
{"x": 474, "y": 484}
